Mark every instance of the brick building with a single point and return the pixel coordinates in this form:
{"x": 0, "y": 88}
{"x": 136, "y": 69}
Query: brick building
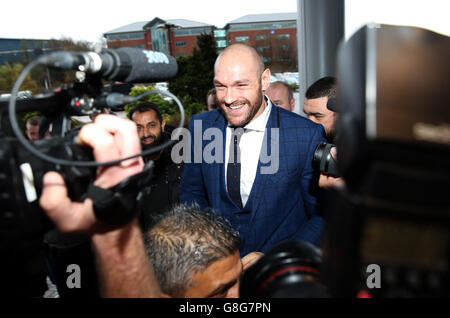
{"x": 273, "y": 35}
{"x": 176, "y": 37}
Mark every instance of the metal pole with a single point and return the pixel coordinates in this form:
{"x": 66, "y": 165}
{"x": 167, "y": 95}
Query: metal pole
{"x": 320, "y": 29}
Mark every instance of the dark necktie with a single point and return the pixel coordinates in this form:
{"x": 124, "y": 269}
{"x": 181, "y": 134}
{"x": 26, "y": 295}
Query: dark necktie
{"x": 234, "y": 168}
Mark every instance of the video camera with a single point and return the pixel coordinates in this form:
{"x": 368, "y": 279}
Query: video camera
{"x": 23, "y": 164}
{"x": 387, "y": 232}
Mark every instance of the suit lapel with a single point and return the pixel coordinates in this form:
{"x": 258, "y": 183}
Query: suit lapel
{"x": 261, "y": 179}
{"x": 219, "y": 168}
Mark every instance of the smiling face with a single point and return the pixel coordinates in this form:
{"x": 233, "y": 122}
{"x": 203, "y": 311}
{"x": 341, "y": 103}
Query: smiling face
{"x": 240, "y": 83}
{"x": 149, "y": 127}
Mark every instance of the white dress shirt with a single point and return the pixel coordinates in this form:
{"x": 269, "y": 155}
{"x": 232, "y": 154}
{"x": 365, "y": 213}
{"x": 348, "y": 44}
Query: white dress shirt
{"x": 250, "y": 148}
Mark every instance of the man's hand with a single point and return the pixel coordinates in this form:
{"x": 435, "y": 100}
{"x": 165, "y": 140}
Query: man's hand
{"x": 326, "y": 181}
{"x": 122, "y": 263}
{"x": 111, "y": 138}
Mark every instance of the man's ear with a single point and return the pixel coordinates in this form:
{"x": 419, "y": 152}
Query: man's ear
{"x": 292, "y": 104}
{"x": 163, "y": 124}
{"x": 265, "y": 79}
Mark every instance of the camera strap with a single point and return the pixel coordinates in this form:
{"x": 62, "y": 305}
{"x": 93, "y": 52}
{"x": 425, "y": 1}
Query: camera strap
{"x": 118, "y": 205}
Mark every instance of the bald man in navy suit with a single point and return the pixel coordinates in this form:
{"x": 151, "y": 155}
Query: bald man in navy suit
{"x": 270, "y": 194}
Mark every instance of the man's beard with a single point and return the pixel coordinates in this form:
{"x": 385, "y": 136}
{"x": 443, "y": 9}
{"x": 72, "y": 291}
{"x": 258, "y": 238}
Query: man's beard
{"x": 254, "y": 108}
{"x": 331, "y": 136}
{"x": 157, "y": 141}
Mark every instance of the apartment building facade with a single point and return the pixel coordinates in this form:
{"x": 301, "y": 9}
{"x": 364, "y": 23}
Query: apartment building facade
{"x": 273, "y": 35}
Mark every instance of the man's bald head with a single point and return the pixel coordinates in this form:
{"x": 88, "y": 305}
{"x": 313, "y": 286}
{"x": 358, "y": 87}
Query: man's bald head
{"x": 242, "y": 51}
{"x": 240, "y": 81}
{"x": 281, "y": 94}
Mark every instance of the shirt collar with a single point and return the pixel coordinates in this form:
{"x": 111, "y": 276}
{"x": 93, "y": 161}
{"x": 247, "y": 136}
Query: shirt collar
{"x": 260, "y": 123}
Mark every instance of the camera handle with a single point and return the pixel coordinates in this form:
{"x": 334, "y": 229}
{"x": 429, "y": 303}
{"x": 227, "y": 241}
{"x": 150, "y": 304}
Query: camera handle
{"x": 118, "y": 205}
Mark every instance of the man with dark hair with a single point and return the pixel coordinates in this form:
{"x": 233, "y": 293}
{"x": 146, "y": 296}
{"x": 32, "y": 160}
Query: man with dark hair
{"x": 282, "y": 95}
{"x": 32, "y": 128}
{"x": 319, "y": 107}
{"x": 163, "y": 192}
{"x": 267, "y": 201}
{"x": 211, "y": 99}
{"x": 194, "y": 253}
{"x": 315, "y": 106}
{"x": 150, "y": 125}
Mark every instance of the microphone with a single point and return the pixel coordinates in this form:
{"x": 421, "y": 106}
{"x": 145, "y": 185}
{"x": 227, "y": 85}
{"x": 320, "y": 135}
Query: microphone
{"x": 129, "y": 65}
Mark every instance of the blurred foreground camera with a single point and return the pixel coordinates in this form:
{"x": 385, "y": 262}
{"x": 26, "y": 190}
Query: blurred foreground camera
{"x": 288, "y": 270}
{"x": 23, "y": 164}
{"x": 394, "y": 154}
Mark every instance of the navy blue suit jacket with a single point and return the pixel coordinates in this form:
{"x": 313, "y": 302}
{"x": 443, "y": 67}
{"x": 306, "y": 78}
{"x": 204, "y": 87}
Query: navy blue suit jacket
{"x": 282, "y": 205}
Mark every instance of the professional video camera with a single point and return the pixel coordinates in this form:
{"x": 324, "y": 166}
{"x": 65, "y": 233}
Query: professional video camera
{"x": 290, "y": 269}
{"x": 394, "y": 155}
{"x": 387, "y": 232}
{"x": 22, "y": 164}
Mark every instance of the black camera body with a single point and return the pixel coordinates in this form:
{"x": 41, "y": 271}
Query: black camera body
{"x": 394, "y": 155}
{"x": 22, "y": 221}
{"x": 324, "y": 161}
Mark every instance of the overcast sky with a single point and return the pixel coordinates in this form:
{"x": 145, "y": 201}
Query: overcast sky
{"x": 88, "y": 19}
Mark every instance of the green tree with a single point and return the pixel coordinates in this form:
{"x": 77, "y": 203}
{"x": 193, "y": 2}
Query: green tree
{"x": 9, "y": 74}
{"x": 196, "y": 74}
{"x": 167, "y": 108}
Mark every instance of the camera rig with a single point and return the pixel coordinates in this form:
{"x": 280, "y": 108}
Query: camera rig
{"x": 23, "y": 164}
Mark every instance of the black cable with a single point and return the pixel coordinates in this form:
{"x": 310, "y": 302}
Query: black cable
{"x": 63, "y": 162}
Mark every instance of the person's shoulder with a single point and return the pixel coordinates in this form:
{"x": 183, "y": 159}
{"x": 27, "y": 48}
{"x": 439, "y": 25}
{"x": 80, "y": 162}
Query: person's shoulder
{"x": 208, "y": 116}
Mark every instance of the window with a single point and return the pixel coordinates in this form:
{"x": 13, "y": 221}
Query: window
{"x": 220, "y": 33}
{"x": 194, "y": 31}
{"x": 283, "y": 36}
{"x": 180, "y": 43}
{"x": 136, "y": 35}
{"x": 262, "y": 48}
{"x": 244, "y": 38}
{"x": 262, "y": 37}
{"x": 221, "y": 43}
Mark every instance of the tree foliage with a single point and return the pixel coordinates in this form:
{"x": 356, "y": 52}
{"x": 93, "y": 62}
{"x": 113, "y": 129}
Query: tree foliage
{"x": 166, "y": 107}
{"x": 9, "y": 74}
{"x": 41, "y": 78}
{"x": 196, "y": 73}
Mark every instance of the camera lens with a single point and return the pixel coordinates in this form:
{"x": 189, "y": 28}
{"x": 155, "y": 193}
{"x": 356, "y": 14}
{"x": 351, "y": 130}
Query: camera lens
{"x": 290, "y": 269}
{"x": 324, "y": 161}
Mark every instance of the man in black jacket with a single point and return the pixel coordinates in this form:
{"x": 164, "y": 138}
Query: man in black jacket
{"x": 163, "y": 193}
